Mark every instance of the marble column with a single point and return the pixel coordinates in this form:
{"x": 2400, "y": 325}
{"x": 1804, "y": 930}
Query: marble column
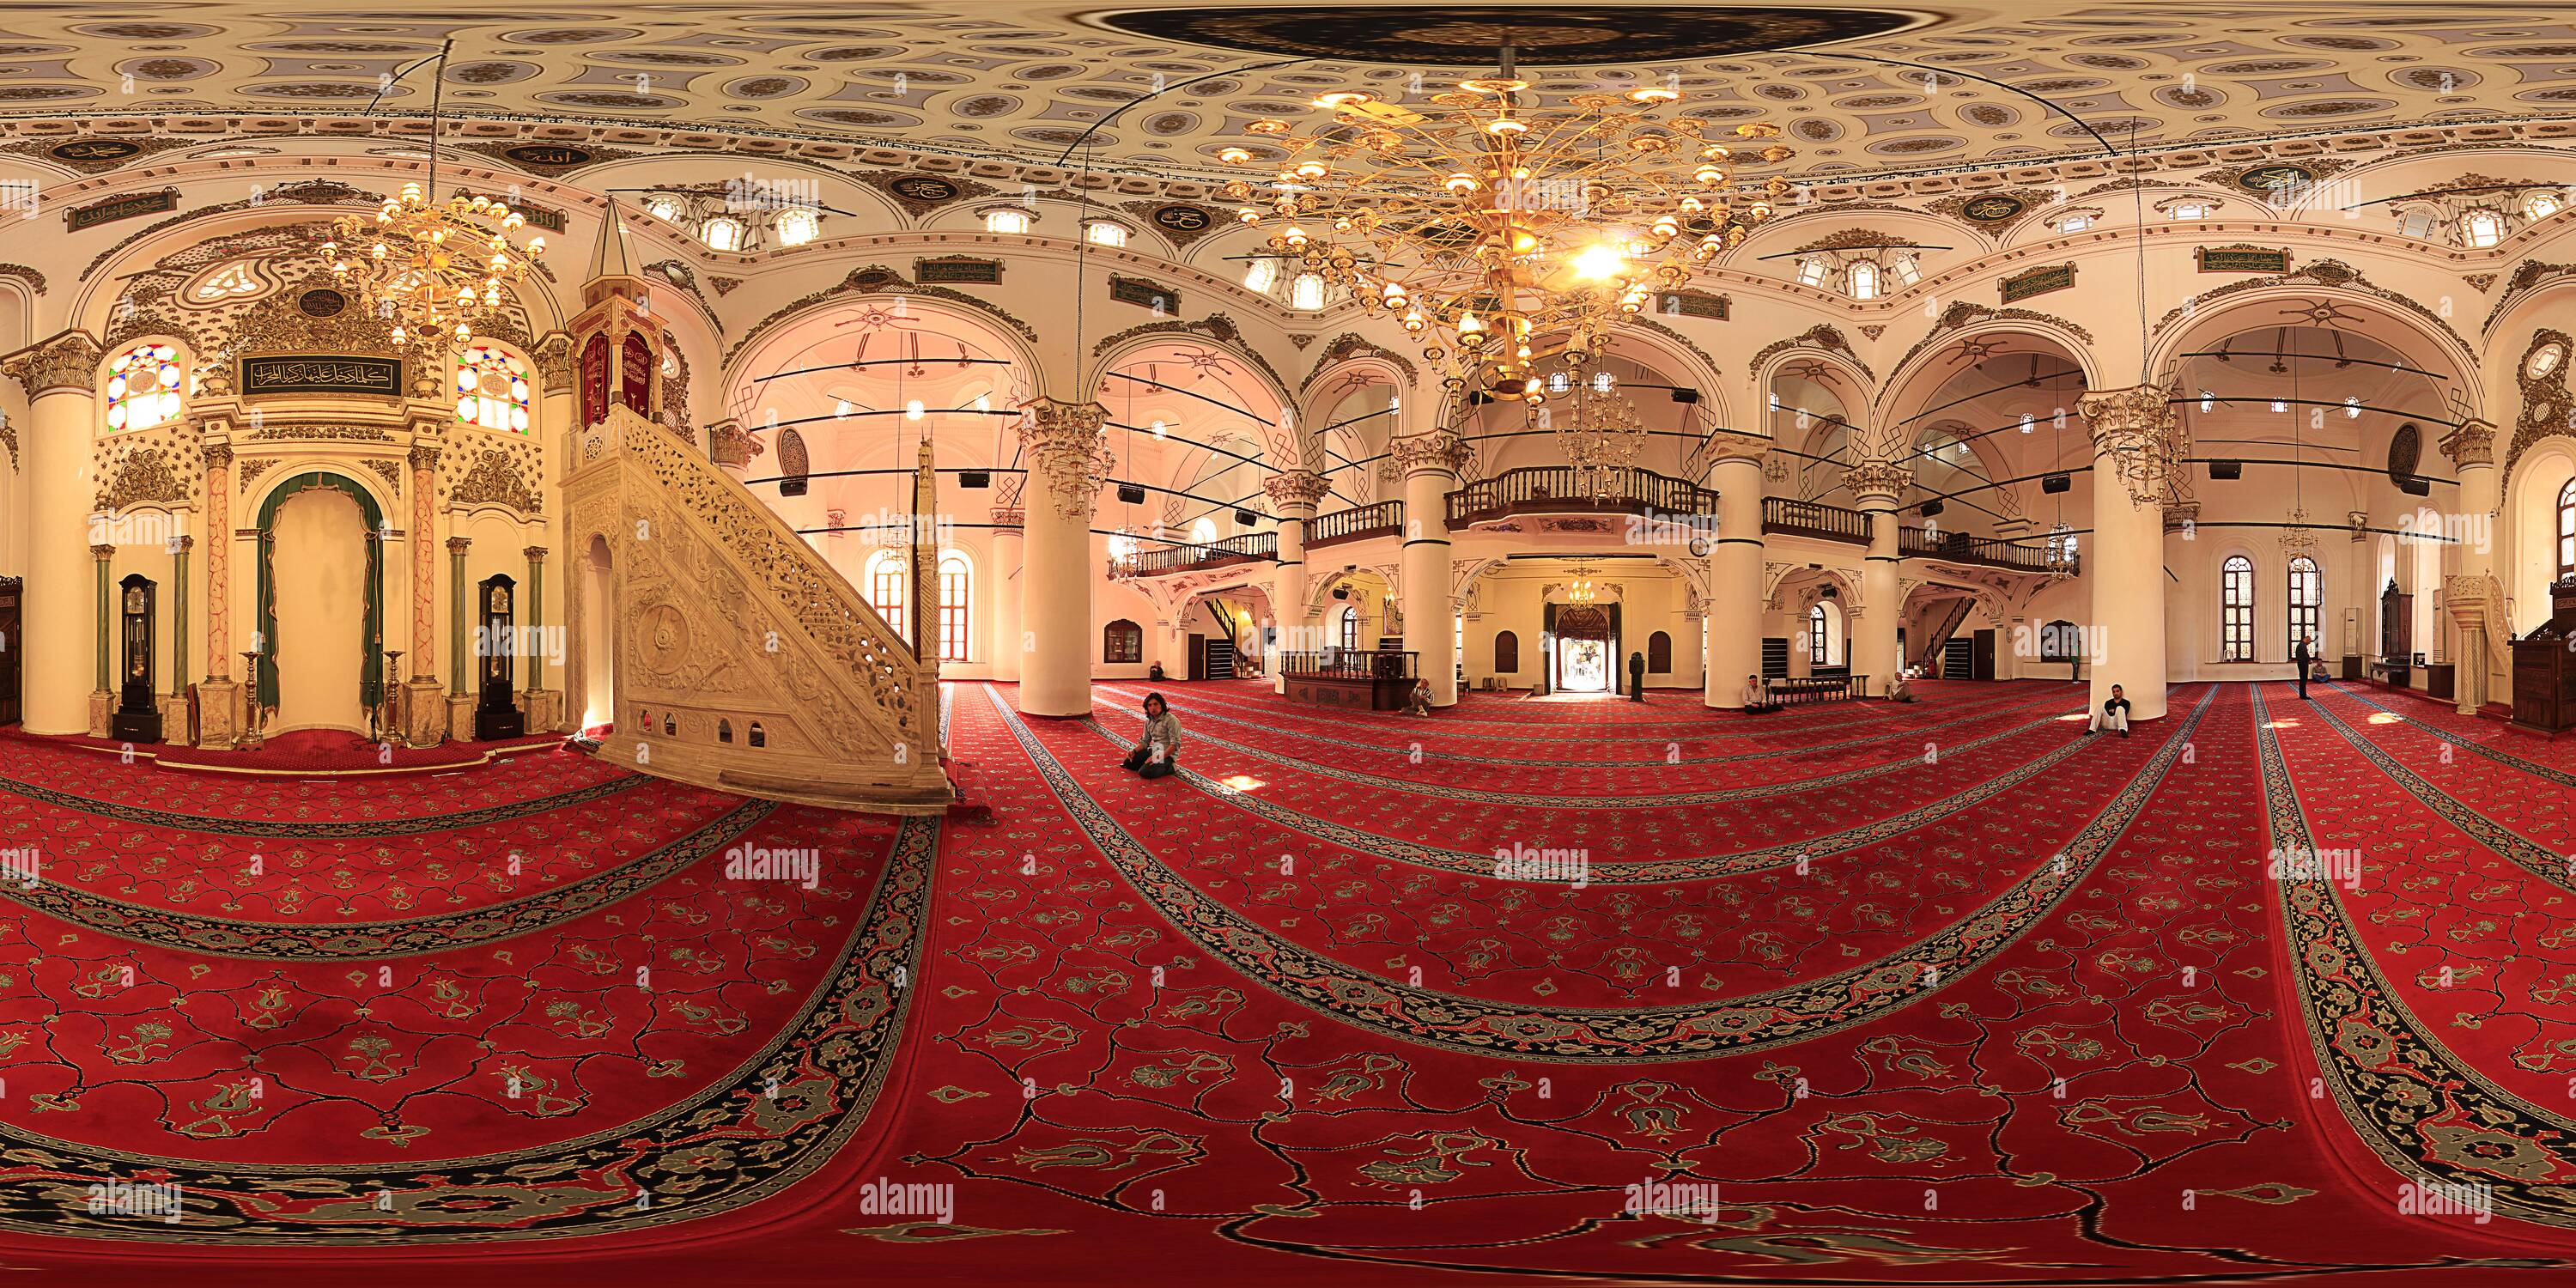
{"x": 219, "y": 698}
{"x": 1876, "y": 485}
{"x": 424, "y": 718}
{"x": 2182, "y": 624}
{"x": 2474, "y": 597}
{"x": 102, "y": 700}
{"x": 1068, "y": 459}
{"x": 60, "y": 377}
{"x": 460, "y": 704}
{"x": 174, "y": 706}
{"x": 1734, "y": 624}
{"x": 1431, "y": 461}
{"x": 1008, "y": 588}
{"x": 539, "y": 700}
{"x": 1294, "y": 494}
{"x": 2124, "y": 570}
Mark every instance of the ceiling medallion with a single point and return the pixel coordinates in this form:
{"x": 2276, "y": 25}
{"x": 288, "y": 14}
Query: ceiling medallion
{"x": 1501, "y": 229}
{"x": 1443, "y": 35}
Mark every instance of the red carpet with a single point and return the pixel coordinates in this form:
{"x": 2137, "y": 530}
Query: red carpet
{"x": 1943, "y": 994}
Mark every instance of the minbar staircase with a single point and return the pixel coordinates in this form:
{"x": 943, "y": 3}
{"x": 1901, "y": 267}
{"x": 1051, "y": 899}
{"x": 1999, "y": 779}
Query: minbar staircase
{"x": 738, "y": 659}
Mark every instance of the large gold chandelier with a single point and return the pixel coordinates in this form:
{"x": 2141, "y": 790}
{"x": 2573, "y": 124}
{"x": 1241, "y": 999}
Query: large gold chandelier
{"x": 429, "y": 268}
{"x": 432, "y": 269}
{"x": 1600, "y": 433}
{"x": 1503, "y": 234}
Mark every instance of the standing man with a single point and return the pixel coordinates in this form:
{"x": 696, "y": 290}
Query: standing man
{"x": 2299, "y": 656}
{"x": 1637, "y": 676}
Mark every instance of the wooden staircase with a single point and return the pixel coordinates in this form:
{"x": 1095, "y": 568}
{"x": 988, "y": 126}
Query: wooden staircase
{"x": 1938, "y": 638}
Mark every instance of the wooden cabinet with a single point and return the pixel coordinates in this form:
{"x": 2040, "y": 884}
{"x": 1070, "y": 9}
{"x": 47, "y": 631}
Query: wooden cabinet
{"x": 2544, "y": 671}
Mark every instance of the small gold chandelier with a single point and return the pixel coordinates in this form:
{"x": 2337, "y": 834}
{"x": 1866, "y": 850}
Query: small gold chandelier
{"x": 1502, "y": 235}
{"x": 1582, "y": 592}
{"x": 1600, "y": 435}
{"x": 431, "y": 269}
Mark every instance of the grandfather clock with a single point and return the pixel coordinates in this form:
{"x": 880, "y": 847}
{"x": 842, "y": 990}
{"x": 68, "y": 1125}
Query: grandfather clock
{"x": 496, "y": 712}
{"x": 138, "y": 708}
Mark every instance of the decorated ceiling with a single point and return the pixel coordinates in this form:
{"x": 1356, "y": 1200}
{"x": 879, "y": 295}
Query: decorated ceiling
{"x": 1159, "y": 88}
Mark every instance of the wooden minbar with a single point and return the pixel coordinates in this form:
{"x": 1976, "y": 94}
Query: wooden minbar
{"x": 2394, "y": 666}
{"x": 2544, "y": 670}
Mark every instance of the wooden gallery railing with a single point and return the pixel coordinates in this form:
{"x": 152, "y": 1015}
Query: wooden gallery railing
{"x": 1563, "y": 489}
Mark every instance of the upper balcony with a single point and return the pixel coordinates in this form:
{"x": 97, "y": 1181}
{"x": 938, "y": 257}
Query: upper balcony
{"x": 1359, "y": 523}
{"x": 1984, "y": 552}
{"x": 1791, "y": 517}
{"x": 1563, "y": 489}
{"x": 1185, "y": 556}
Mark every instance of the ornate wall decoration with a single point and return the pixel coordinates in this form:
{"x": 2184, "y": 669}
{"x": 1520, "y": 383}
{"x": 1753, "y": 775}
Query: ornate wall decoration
{"x": 1962, "y": 313}
{"x": 390, "y": 471}
{"x": 2325, "y": 272}
{"x": 920, "y": 194}
{"x": 551, "y": 160}
{"x": 21, "y": 273}
{"x": 1349, "y": 345}
{"x": 249, "y": 468}
{"x": 494, "y": 476}
{"x": 93, "y": 156}
{"x": 2527, "y": 275}
{"x": 352, "y": 433}
{"x": 309, "y": 192}
{"x": 1215, "y": 326}
{"x": 877, "y": 279}
{"x": 2546, "y": 406}
{"x": 1180, "y": 222}
{"x": 141, "y": 475}
{"x": 1819, "y": 336}
{"x": 1993, "y": 213}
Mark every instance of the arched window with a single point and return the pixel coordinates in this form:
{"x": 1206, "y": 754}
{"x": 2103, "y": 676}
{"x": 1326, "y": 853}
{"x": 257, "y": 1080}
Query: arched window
{"x": 2307, "y": 597}
{"x": 1507, "y": 654}
{"x": 143, "y": 387}
{"x": 883, "y": 583}
{"x": 491, "y": 390}
{"x": 956, "y": 591}
{"x": 2060, "y": 641}
{"x": 724, "y": 232}
{"x": 2482, "y": 228}
{"x": 1820, "y": 634}
{"x": 2236, "y": 610}
{"x": 2567, "y": 529}
{"x": 1864, "y": 280}
{"x": 1659, "y": 654}
{"x": 1306, "y": 292}
{"x": 1203, "y": 531}
{"x": 1350, "y": 627}
{"x": 724, "y": 730}
{"x": 797, "y": 225}
{"x": 1122, "y": 641}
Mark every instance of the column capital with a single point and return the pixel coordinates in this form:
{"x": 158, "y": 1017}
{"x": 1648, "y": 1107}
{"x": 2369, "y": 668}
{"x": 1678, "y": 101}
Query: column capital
{"x": 2181, "y": 514}
{"x": 1883, "y": 479}
{"x": 424, "y": 457}
{"x": 459, "y": 545}
{"x": 1067, "y": 444}
{"x": 1437, "y": 451}
{"x": 2132, "y": 432}
{"x": 535, "y": 554}
{"x": 67, "y": 361}
{"x": 102, "y": 552}
{"x": 2360, "y": 521}
{"x": 1727, "y": 445}
{"x": 2472, "y": 442}
{"x": 184, "y": 544}
{"x": 219, "y": 456}
{"x": 730, "y": 446}
{"x": 1009, "y": 520}
{"x": 1297, "y": 491}
{"x": 555, "y": 364}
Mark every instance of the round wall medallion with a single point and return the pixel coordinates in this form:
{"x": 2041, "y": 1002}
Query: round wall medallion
{"x": 1987, "y": 210}
{"x": 321, "y": 302}
{"x": 1546, "y": 35}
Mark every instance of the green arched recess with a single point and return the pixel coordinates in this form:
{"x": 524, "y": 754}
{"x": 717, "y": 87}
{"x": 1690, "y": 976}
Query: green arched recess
{"x": 371, "y": 680}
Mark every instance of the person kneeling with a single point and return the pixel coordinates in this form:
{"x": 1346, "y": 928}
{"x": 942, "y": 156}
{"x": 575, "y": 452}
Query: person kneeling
{"x": 1418, "y": 702}
{"x": 1160, "y": 746}
{"x": 2113, "y": 715}
{"x": 1755, "y": 698}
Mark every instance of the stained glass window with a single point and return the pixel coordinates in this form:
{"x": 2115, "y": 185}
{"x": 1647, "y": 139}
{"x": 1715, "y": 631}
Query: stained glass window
{"x": 491, "y": 390}
{"x": 143, "y": 387}
{"x": 2236, "y": 610}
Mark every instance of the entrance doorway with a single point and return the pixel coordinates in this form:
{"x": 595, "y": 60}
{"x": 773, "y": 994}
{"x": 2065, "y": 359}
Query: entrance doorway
{"x": 1582, "y": 651}
{"x": 598, "y": 642}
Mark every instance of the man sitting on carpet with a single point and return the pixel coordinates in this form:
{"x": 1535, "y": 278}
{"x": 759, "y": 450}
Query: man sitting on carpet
{"x": 2113, "y": 715}
{"x": 1900, "y": 689}
{"x": 1161, "y": 742}
{"x": 1418, "y": 702}
{"x": 1755, "y": 699}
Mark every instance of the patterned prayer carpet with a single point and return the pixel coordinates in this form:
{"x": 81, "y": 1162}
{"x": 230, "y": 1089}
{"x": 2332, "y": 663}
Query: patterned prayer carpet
{"x": 1940, "y": 994}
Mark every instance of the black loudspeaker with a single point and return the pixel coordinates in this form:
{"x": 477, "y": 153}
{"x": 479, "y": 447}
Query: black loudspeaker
{"x": 1686, "y": 396}
{"x": 1131, "y": 494}
{"x": 2227, "y": 469}
{"x": 1341, "y": 592}
{"x": 974, "y": 478}
{"x": 1932, "y": 508}
{"x": 2055, "y": 483}
{"x": 2415, "y": 487}
{"x": 1245, "y": 518}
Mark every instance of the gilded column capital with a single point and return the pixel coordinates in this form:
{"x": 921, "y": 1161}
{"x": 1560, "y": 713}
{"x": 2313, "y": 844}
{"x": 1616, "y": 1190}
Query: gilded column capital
{"x": 555, "y": 365}
{"x": 1438, "y": 451}
{"x": 1727, "y": 445}
{"x": 2180, "y": 515}
{"x": 1069, "y": 448}
{"x": 2472, "y": 442}
{"x": 183, "y": 545}
{"x": 67, "y": 361}
{"x": 1297, "y": 491}
{"x": 459, "y": 545}
{"x": 219, "y": 456}
{"x": 1885, "y": 480}
{"x": 535, "y": 554}
{"x": 102, "y": 552}
{"x": 424, "y": 457}
{"x": 1009, "y": 520}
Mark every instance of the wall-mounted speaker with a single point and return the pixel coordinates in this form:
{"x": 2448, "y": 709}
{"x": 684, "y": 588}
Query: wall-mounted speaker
{"x": 1245, "y": 518}
{"x": 1131, "y": 494}
{"x": 2055, "y": 483}
{"x": 974, "y": 478}
{"x": 1686, "y": 396}
{"x": 1933, "y": 507}
{"x": 2415, "y": 487}
{"x": 2227, "y": 469}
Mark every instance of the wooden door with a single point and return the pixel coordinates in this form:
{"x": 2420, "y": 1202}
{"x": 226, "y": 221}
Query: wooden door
{"x": 1982, "y": 662}
{"x": 12, "y": 592}
{"x": 1198, "y": 657}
